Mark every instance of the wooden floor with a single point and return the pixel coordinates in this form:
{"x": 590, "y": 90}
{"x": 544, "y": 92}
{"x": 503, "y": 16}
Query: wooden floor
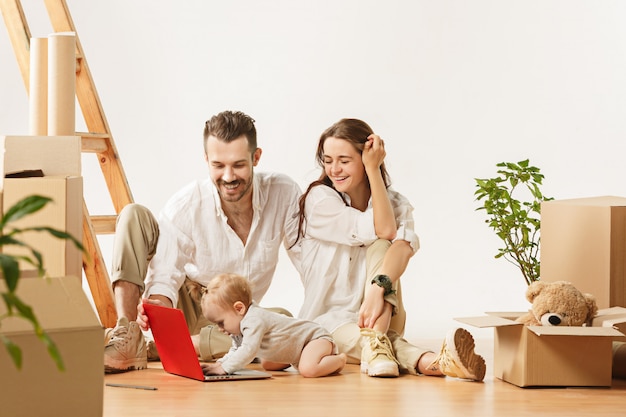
{"x": 353, "y": 394}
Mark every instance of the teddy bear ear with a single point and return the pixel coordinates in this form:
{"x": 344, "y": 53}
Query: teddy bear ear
{"x": 534, "y": 289}
{"x": 592, "y": 308}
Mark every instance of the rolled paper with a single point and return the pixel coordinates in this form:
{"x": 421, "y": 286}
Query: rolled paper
{"x": 62, "y": 84}
{"x": 38, "y": 87}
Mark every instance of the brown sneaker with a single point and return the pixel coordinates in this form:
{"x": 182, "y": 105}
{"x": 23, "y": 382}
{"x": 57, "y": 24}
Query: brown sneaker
{"x": 153, "y": 354}
{"x": 377, "y": 357}
{"x": 457, "y": 358}
{"x": 126, "y": 348}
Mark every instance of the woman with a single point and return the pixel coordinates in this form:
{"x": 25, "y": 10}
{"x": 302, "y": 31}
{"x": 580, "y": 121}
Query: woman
{"x": 356, "y": 236}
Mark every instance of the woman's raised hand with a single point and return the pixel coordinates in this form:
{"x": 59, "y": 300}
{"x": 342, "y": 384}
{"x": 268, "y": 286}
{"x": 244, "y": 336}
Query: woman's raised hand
{"x": 373, "y": 153}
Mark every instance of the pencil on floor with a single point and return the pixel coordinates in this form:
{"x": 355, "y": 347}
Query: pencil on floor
{"x": 132, "y": 386}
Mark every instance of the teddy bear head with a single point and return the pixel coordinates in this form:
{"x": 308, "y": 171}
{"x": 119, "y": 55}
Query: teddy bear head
{"x": 558, "y": 303}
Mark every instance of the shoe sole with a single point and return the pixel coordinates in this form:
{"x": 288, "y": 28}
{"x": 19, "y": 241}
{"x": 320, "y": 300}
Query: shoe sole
{"x": 384, "y": 371}
{"x": 124, "y": 366}
{"x": 464, "y": 345}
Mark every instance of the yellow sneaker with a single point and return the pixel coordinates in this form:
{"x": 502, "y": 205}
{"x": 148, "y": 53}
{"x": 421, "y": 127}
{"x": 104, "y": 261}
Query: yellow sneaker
{"x": 377, "y": 357}
{"x": 457, "y": 358}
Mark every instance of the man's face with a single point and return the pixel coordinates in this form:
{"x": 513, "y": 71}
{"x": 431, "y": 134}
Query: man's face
{"x": 231, "y": 167}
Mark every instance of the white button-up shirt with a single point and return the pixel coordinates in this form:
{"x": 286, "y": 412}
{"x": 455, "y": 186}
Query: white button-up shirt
{"x": 196, "y": 241}
{"x": 333, "y": 253}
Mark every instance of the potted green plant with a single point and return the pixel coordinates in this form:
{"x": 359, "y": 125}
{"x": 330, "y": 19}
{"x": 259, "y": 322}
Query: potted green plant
{"x": 516, "y": 221}
{"x": 9, "y": 266}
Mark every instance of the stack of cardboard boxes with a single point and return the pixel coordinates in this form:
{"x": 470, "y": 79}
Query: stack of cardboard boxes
{"x": 582, "y": 241}
{"x": 48, "y": 163}
{"x": 59, "y": 302}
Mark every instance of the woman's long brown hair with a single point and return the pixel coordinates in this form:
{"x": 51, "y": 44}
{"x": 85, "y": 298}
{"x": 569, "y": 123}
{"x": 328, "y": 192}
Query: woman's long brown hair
{"x": 354, "y": 131}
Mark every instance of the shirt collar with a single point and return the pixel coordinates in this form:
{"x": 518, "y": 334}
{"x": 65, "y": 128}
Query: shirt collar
{"x": 259, "y": 196}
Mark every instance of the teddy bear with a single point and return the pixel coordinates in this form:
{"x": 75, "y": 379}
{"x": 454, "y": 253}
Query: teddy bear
{"x": 558, "y": 303}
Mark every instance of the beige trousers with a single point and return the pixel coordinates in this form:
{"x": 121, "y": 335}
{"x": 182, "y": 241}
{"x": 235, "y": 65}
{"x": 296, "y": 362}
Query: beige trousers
{"x": 348, "y": 337}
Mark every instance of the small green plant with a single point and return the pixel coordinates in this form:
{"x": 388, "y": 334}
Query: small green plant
{"x": 516, "y": 222}
{"x": 9, "y": 265}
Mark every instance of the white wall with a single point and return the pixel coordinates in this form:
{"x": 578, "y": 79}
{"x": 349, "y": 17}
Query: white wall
{"x": 452, "y": 86}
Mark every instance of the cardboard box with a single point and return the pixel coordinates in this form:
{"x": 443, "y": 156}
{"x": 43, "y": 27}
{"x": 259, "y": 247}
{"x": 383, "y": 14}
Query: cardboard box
{"x": 39, "y": 388}
{"x": 584, "y": 241}
{"x": 544, "y": 356}
{"x": 60, "y": 256}
{"x": 54, "y": 155}
{"x": 59, "y": 158}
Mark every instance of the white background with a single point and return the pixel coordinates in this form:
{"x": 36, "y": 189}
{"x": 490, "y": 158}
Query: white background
{"x": 453, "y": 87}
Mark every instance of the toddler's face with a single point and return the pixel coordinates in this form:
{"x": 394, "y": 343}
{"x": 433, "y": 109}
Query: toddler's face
{"x": 227, "y": 319}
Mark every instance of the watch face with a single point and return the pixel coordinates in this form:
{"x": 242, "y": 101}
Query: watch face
{"x": 384, "y": 281}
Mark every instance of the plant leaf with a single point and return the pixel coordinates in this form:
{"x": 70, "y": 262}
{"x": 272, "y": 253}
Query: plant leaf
{"x": 516, "y": 222}
{"x": 24, "y": 207}
{"x": 14, "y": 351}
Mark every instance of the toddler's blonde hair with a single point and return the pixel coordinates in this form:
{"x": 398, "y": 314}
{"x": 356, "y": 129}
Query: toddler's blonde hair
{"x": 226, "y": 289}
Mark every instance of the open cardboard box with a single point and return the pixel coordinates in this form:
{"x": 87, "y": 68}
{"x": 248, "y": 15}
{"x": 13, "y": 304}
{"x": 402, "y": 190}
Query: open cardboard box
{"x": 544, "y": 356}
{"x": 39, "y": 388}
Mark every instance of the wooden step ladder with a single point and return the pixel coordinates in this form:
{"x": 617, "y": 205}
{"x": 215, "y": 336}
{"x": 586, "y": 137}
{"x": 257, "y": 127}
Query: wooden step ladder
{"x": 99, "y": 141}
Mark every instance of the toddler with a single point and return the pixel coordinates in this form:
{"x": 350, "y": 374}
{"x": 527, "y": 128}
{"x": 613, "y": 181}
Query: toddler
{"x": 279, "y": 340}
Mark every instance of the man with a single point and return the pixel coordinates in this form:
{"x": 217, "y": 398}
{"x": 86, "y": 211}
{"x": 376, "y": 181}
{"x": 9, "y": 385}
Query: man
{"x": 234, "y": 221}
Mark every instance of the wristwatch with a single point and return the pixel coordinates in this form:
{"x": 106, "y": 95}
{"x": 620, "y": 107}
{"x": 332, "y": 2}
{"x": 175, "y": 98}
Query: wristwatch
{"x": 383, "y": 281}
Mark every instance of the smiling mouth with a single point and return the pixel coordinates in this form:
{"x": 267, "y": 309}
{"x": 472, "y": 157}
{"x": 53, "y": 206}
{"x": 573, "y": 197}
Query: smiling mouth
{"x": 231, "y": 186}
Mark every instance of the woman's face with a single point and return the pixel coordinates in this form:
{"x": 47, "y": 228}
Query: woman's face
{"x": 344, "y": 166}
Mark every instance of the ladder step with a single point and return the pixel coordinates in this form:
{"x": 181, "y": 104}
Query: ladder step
{"x": 94, "y": 142}
{"x": 103, "y": 225}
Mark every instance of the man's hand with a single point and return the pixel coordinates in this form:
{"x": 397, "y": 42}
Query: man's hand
{"x": 142, "y": 318}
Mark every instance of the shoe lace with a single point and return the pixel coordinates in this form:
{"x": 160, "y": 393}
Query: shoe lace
{"x": 446, "y": 363}
{"x": 380, "y": 345}
{"x": 118, "y": 337}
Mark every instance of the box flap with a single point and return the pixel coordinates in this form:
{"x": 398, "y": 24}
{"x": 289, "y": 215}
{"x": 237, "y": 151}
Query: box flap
{"x": 611, "y": 311}
{"x": 499, "y": 319}
{"x": 511, "y": 315}
{"x": 574, "y": 331}
{"x": 487, "y": 321}
{"x": 610, "y": 317}
{"x": 58, "y": 303}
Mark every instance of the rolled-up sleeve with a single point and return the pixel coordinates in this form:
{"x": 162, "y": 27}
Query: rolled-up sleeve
{"x": 403, "y": 211}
